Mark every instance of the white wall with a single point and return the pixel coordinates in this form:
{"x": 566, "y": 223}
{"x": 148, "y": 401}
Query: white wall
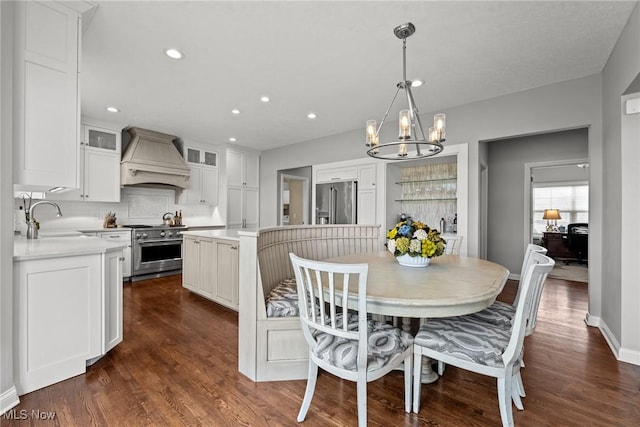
{"x": 620, "y": 163}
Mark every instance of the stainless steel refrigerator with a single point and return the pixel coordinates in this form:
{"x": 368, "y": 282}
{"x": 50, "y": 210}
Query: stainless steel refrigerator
{"x": 336, "y": 202}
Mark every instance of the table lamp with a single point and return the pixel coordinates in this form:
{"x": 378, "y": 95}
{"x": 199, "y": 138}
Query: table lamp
{"x": 552, "y": 214}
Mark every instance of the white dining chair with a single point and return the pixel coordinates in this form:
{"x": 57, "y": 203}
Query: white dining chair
{"x": 482, "y": 347}
{"x": 502, "y": 313}
{"x": 453, "y": 244}
{"x": 344, "y": 342}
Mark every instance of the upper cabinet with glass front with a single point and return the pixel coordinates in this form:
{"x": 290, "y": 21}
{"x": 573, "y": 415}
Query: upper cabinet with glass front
{"x": 102, "y": 139}
{"x": 203, "y": 185}
{"x": 98, "y": 168}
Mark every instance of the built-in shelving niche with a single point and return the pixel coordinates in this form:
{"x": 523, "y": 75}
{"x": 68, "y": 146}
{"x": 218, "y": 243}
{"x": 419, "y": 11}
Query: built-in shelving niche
{"x": 426, "y": 190}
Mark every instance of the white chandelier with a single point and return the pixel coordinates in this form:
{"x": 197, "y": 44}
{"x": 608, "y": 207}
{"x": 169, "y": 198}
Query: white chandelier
{"x": 410, "y": 132}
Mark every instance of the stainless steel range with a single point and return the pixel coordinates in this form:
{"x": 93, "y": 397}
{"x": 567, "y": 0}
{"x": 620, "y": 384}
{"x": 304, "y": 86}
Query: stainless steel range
{"x": 156, "y": 250}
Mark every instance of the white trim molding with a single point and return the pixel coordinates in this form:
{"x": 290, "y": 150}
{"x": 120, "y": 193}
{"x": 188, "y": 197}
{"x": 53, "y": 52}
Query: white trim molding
{"x": 629, "y": 356}
{"x": 8, "y": 399}
{"x": 621, "y": 353}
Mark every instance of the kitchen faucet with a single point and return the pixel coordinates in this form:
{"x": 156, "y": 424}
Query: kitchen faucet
{"x": 32, "y": 229}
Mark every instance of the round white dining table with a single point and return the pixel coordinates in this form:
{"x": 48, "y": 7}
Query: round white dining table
{"x": 451, "y": 285}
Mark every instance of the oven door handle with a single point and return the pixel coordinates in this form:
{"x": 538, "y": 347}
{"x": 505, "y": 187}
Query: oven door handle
{"x": 160, "y": 242}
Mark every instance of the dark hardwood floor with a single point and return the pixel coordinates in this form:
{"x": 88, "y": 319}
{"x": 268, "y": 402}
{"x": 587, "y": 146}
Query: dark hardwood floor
{"x": 178, "y": 363}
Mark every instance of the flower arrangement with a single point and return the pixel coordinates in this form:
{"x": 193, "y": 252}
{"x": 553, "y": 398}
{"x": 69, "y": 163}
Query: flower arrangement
{"x": 416, "y": 239}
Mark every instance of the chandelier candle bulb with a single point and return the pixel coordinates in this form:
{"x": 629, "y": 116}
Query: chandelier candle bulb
{"x": 371, "y": 133}
{"x": 404, "y": 125}
{"x": 402, "y": 150}
{"x": 432, "y": 134}
{"x": 439, "y": 122}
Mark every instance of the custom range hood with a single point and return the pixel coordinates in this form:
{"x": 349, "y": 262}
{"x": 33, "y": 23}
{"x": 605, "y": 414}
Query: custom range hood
{"x": 152, "y": 159}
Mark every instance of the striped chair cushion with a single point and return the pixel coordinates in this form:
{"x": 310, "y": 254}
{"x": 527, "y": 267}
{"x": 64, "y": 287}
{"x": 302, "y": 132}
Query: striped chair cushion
{"x": 465, "y": 338}
{"x": 499, "y": 313}
{"x": 282, "y": 301}
{"x": 385, "y": 344}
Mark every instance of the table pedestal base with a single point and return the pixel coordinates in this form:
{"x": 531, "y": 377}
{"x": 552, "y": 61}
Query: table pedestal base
{"x": 428, "y": 374}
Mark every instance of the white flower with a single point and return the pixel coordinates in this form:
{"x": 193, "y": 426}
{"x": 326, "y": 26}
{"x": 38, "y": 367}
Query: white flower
{"x": 415, "y": 246}
{"x": 420, "y": 234}
{"x": 391, "y": 245}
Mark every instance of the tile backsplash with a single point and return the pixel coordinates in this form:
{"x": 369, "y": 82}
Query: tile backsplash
{"x": 138, "y": 205}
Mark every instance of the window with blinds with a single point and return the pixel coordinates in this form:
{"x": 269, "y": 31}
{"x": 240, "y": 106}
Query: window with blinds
{"x": 571, "y": 200}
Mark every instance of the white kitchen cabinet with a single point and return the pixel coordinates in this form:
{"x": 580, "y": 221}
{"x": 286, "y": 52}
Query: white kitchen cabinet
{"x": 99, "y": 167}
{"x": 46, "y": 119}
{"x": 367, "y": 177}
{"x": 203, "y": 186}
{"x": 242, "y": 207}
{"x": 346, "y": 173}
{"x": 210, "y": 269}
{"x": 68, "y": 311}
{"x": 200, "y": 156}
{"x": 366, "y": 214}
{"x": 124, "y": 237}
{"x": 226, "y": 290}
{"x": 242, "y": 169}
{"x": 112, "y": 316}
{"x": 367, "y": 194}
{"x": 242, "y": 189}
{"x": 197, "y": 261}
{"x": 203, "y": 183}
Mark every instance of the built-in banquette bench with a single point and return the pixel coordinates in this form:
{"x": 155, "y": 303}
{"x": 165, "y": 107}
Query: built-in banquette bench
{"x": 273, "y": 348}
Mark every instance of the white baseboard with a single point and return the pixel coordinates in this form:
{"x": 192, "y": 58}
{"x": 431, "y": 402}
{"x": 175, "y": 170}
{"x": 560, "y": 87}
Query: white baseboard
{"x": 629, "y": 356}
{"x": 8, "y": 399}
{"x": 513, "y": 276}
{"x": 592, "y": 320}
{"x": 614, "y": 345}
{"x": 621, "y": 353}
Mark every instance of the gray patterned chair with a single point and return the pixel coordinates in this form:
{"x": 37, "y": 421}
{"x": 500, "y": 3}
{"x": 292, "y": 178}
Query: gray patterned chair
{"x": 502, "y": 313}
{"x": 482, "y": 347}
{"x": 349, "y": 346}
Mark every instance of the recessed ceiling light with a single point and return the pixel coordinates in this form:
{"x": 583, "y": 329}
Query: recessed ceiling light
{"x": 265, "y": 99}
{"x": 583, "y": 165}
{"x": 173, "y": 53}
{"x": 232, "y": 140}
{"x": 311, "y": 116}
{"x": 235, "y": 111}
{"x": 416, "y": 83}
{"x": 112, "y": 109}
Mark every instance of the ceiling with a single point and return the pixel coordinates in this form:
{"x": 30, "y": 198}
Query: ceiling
{"x": 339, "y": 60}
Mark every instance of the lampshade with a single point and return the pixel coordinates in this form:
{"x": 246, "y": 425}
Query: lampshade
{"x": 551, "y": 214}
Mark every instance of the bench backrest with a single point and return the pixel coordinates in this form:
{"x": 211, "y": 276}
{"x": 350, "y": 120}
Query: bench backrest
{"x": 315, "y": 242}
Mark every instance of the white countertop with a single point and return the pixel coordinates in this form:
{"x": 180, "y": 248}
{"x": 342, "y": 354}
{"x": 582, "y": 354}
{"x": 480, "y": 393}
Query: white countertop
{"x": 227, "y": 233}
{"x": 55, "y": 247}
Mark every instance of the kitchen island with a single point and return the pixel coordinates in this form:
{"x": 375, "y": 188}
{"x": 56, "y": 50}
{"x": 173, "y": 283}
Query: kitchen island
{"x": 68, "y": 306}
{"x": 210, "y": 264}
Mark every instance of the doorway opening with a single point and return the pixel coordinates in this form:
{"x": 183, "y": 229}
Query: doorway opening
{"x": 562, "y": 189}
{"x": 294, "y": 200}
